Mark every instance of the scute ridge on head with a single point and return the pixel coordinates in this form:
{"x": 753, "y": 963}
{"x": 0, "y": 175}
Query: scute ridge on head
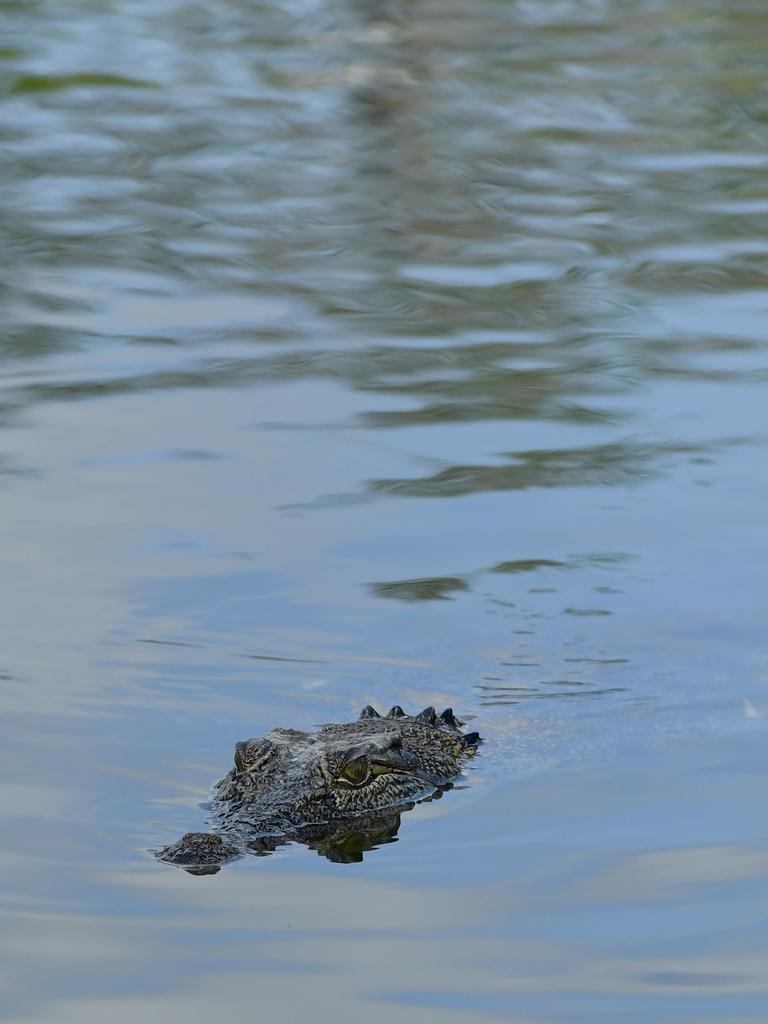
{"x": 428, "y": 716}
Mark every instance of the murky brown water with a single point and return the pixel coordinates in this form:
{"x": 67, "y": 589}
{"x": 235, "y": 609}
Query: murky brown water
{"x": 386, "y": 352}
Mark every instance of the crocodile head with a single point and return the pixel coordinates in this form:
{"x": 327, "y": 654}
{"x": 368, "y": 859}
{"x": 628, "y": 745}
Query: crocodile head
{"x": 309, "y": 787}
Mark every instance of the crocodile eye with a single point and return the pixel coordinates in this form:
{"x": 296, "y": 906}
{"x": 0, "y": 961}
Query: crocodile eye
{"x": 252, "y": 755}
{"x": 356, "y": 771}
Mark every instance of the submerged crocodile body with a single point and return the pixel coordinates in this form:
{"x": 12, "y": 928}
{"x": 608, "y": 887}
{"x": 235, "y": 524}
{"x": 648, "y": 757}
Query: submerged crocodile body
{"x": 339, "y": 790}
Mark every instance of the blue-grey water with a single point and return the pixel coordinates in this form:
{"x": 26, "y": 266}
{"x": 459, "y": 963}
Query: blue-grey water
{"x": 391, "y": 351}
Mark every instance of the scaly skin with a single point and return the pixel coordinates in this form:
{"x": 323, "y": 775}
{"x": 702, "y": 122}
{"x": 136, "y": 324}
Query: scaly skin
{"x": 339, "y": 790}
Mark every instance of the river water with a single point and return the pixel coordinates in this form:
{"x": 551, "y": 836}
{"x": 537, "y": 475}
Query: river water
{"x": 400, "y": 351}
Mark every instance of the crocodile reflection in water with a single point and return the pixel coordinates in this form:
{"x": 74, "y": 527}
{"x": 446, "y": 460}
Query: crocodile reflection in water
{"x": 340, "y": 790}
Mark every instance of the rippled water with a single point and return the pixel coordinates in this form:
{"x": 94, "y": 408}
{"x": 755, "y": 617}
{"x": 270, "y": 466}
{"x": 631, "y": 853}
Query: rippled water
{"x": 393, "y": 351}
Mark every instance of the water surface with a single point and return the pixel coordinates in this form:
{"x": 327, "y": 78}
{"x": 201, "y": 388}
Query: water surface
{"x": 394, "y": 351}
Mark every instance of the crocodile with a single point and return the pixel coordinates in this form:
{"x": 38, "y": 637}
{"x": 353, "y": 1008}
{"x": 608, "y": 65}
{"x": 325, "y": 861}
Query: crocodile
{"x": 339, "y": 790}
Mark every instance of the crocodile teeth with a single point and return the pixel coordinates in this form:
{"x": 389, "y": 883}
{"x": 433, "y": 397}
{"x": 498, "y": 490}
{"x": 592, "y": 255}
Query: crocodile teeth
{"x": 396, "y": 712}
{"x": 427, "y": 715}
{"x": 369, "y": 712}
